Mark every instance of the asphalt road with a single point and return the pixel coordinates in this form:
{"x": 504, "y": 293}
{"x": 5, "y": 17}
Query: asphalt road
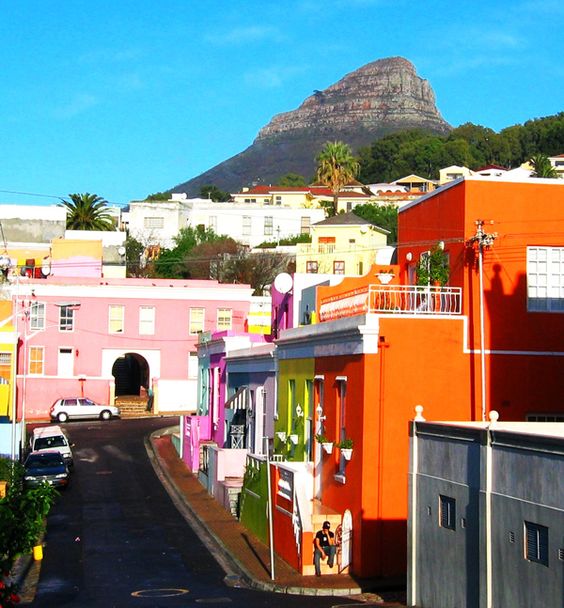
{"x": 115, "y": 539}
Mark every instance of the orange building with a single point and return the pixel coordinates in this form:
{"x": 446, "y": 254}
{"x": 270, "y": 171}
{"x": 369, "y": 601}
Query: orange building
{"x": 491, "y": 339}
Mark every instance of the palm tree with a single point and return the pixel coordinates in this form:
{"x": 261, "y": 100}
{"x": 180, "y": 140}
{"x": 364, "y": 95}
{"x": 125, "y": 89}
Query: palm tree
{"x": 542, "y": 167}
{"x": 87, "y": 212}
{"x": 336, "y": 167}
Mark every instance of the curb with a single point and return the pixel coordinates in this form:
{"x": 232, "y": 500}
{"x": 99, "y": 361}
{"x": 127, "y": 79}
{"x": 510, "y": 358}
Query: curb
{"x": 238, "y": 570}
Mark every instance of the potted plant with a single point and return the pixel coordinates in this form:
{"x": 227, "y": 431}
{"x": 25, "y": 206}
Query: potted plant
{"x": 432, "y": 268}
{"x": 325, "y": 443}
{"x": 346, "y": 447}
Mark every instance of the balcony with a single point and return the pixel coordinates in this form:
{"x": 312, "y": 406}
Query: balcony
{"x": 394, "y": 299}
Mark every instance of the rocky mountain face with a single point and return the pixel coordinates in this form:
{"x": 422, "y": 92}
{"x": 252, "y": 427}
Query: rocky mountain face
{"x": 379, "y": 98}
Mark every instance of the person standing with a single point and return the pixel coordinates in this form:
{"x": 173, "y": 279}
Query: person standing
{"x": 325, "y": 548}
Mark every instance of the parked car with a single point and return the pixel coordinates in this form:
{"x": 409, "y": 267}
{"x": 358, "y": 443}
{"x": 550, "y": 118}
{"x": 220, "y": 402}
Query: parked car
{"x": 77, "y": 408}
{"x": 52, "y": 438}
{"x": 49, "y": 466}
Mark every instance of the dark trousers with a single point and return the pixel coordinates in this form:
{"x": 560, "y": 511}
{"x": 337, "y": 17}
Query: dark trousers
{"x": 329, "y": 551}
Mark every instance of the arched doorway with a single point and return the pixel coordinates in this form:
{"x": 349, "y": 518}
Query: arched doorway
{"x": 131, "y": 372}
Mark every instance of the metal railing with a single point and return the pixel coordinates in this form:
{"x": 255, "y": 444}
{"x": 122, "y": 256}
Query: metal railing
{"x": 394, "y": 299}
{"x": 415, "y": 299}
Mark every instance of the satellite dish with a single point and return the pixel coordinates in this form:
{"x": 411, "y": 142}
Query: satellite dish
{"x": 283, "y": 283}
{"x": 121, "y": 250}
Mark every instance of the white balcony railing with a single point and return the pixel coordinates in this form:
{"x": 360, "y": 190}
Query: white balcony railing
{"x": 415, "y": 299}
{"x": 395, "y": 299}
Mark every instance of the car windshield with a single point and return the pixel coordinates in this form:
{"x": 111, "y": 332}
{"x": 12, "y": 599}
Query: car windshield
{"x": 42, "y": 443}
{"x": 44, "y": 461}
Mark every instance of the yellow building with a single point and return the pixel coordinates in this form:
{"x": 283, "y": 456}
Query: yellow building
{"x": 8, "y": 342}
{"x": 342, "y": 244}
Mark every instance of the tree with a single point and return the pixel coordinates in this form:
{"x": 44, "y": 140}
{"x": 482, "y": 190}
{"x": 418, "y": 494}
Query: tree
{"x": 214, "y": 193}
{"x": 171, "y": 263}
{"x": 255, "y": 269}
{"x": 204, "y": 260}
{"x": 433, "y": 267}
{"x": 336, "y": 167}
{"x": 385, "y": 216}
{"x": 542, "y": 167}
{"x": 292, "y": 180}
{"x": 133, "y": 252}
{"x": 22, "y": 515}
{"x": 87, "y": 212}
{"x": 158, "y": 196}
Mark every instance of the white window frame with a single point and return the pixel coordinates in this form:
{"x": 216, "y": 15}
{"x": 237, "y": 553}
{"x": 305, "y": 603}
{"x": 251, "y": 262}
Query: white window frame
{"x": 545, "y": 279}
{"x": 305, "y": 224}
{"x": 152, "y": 222}
{"x": 247, "y": 225}
{"x": 66, "y": 318}
{"x": 224, "y": 319}
{"x": 196, "y": 325}
{"x": 116, "y": 319}
{"x": 5, "y": 367}
{"x": 193, "y": 366}
{"x": 146, "y": 320}
{"x": 212, "y": 222}
{"x": 268, "y": 225}
{"x": 37, "y": 316}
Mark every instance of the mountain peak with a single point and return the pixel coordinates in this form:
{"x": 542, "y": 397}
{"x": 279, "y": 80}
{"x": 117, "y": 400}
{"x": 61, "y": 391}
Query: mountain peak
{"x": 378, "y": 98}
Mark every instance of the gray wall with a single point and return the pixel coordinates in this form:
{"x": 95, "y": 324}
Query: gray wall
{"x": 448, "y": 568}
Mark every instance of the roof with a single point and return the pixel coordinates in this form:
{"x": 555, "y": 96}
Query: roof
{"x": 349, "y": 219}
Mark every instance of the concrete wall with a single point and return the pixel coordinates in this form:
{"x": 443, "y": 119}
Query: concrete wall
{"x": 514, "y": 475}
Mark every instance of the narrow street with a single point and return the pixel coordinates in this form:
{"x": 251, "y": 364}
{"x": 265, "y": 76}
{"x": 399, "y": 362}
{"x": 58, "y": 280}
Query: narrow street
{"x": 114, "y": 538}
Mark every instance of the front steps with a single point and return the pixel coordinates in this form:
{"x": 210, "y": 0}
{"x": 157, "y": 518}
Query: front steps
{"x": 133, "y": 406}
{"x": 321, "y": 513}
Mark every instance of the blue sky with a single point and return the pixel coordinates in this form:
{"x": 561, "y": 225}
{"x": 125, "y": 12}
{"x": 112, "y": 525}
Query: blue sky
{"x": 125, "y": 98}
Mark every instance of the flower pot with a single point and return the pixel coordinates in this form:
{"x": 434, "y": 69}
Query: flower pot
{"x": 347, "y": 453}
{"x": 328, "y": 447}
{"x": 293, "y": 439}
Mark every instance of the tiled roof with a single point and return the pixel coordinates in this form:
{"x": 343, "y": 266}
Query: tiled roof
{"x": 343, "y": 219}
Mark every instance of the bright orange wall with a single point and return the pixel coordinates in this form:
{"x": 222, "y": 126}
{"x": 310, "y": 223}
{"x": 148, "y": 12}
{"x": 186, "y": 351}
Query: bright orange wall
{"x": 421, "y": 361}
{"x": 522, "y": 214}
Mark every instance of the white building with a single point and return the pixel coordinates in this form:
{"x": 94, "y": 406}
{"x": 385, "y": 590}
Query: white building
{"x": 158, "y": 222}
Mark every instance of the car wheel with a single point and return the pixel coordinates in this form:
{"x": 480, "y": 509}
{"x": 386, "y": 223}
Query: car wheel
{"x": 62, "y": 416}
{"x": 105, "y": 415}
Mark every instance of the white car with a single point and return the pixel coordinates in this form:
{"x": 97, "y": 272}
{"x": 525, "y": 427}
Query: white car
{"x": 78, "y": 408}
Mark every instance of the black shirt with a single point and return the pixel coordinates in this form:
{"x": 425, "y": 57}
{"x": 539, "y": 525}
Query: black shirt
{"x": 324, "y": 536}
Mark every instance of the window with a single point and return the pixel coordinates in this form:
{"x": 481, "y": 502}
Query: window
{"x": 146, "y": 320}
{"x": 545, "y": 279}
{"x": 341, "y": 402}
{"x": 37, "y": 360}
{"x": 192, "y": 366}
{"x": 349, "y": 207}
{"x": 5, "y": 367}
{"x": 37, "y": 316}
{"x": 246, "y": 225}
{"x": 447, "y": 512}
{"x": 545, "y": 418}
{"x": 153, "y": 223}
{"x": 278, "y": 200}
{"x": 213, "y": 222}
{"x": 116, "y": 318}
{"x": 305, "y": 225}
{"x": 536, "y": 543}
{"x": 196, "y": 323}
{"x": 268, "y": 226}
{"x": 338, "y": 267}
{"x": 224, "y": 318}
{"x": 312, "y": 266}
{"x": 66, "y": 318}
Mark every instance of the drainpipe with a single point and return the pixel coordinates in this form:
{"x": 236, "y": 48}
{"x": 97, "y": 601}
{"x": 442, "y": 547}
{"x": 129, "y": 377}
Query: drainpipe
{"x": 269, "y": 505}
{"x": 414, "y": 474}
{"x": 488, "y": 523}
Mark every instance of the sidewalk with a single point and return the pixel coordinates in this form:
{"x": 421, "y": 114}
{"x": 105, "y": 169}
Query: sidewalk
{"x": 248, "y": 557}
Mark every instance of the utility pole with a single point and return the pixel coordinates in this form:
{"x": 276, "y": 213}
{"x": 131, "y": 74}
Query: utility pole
{"x": 483, "y": 240}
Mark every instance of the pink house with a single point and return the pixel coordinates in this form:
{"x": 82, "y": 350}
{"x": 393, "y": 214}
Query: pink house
{"x": 103, "y": 337}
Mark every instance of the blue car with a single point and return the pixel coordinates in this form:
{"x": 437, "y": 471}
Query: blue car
{"x": 46, "y": 466}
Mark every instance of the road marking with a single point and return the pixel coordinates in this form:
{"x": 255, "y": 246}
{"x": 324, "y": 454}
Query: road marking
{"x": 159, "y": 592}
